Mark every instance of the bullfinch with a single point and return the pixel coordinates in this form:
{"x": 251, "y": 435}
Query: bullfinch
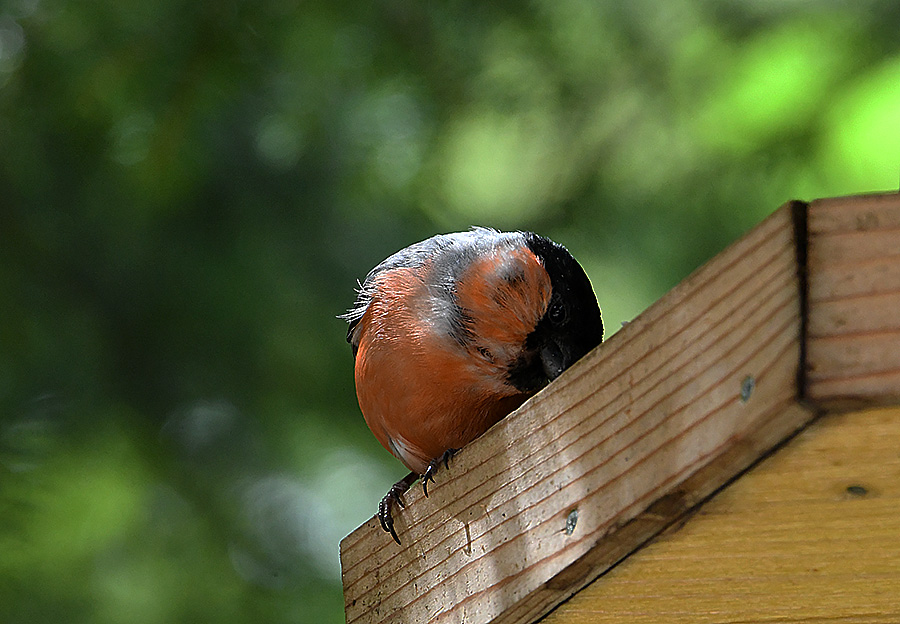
{"x": 451, "y": 334}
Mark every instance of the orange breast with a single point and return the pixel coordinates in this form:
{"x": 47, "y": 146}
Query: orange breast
{"x": 421, "y": 391}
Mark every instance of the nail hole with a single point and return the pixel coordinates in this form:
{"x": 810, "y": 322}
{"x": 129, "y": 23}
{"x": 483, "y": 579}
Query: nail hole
{"x": 857, "y": 490}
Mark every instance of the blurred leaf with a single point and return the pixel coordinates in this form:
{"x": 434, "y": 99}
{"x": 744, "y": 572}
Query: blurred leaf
{"x": 863, "y": 133}
{"x": 189, "y": 192}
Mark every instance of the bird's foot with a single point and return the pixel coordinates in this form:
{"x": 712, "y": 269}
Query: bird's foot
{"x": 428, "y": 475}
{"x": 394, "y": 495}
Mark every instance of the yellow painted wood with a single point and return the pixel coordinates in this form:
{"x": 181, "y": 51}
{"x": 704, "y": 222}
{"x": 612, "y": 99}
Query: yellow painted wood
{"x": 811, "y": 535}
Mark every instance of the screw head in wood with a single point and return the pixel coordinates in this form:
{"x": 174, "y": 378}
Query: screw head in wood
{"x": 747, "y": 387}
{"x": 571, "y": 521}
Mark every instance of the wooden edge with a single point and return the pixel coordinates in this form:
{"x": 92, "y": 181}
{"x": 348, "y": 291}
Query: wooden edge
{"x": 807, "y": 535}
{"x": 853, "y": 327}
{"x": 670, "y": 510}
{"x": 642, "y": 429}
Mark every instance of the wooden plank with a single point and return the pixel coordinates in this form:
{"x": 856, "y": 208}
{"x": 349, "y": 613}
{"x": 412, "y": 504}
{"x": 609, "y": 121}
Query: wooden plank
{"x": 644, "y": 427}
{"x": 807, "y": 536}
{"x": 853, "y": 350}
{"x": 658, "y": 516}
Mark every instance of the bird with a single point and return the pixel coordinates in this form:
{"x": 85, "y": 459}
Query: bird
{"x": 451, "y": 334}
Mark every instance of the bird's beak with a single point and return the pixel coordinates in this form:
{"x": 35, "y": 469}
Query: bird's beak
{"x": 553, "y": 359}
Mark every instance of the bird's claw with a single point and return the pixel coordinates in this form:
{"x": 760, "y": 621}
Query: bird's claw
{"x": 394, "y": 495}
{"x": 428, "y": 475}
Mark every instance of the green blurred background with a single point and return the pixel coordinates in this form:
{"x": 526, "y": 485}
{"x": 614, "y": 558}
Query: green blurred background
{"x": 190, "y": 189}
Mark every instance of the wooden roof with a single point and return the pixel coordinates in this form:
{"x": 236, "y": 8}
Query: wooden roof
{"x": 809, "y": 535}
{"x": 799, "y": 317}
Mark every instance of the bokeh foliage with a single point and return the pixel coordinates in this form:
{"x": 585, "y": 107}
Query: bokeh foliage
{"x": 189, "y": 190}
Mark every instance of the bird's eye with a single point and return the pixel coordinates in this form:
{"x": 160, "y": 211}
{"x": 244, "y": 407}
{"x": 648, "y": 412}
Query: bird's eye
{"x": 557, "y": 312}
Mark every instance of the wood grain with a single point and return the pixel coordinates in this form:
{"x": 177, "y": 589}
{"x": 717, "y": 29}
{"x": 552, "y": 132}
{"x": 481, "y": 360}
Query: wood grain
{"x": 639, "y": 431}
{"x": 853, "y": 349}
{"x": 807, "y": 536}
